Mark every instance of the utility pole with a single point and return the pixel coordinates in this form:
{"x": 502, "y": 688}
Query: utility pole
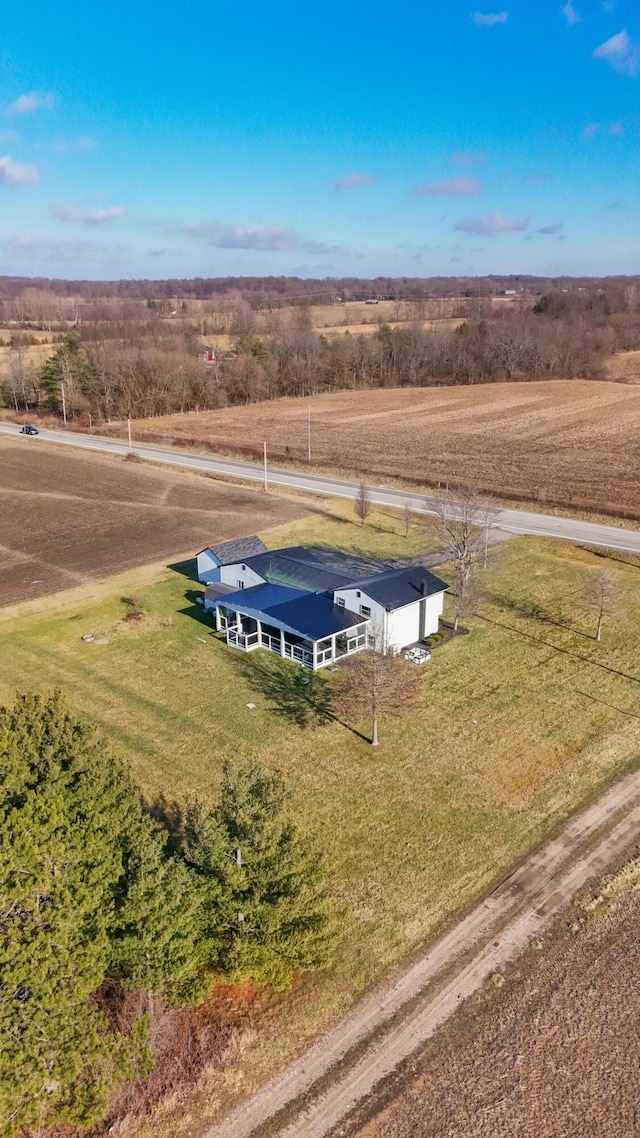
{"x": 309, "y": 432}
{"x": 129, "y": 433}
{"x": 265, "y": 465}
{"x": 64, "y": 405}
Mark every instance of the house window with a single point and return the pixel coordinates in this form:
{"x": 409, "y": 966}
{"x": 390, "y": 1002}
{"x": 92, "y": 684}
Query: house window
{"x": 340, "y": 602}
{"x": 241, "y": 584}
{"x": 243, "y": 568}
{"x": 365, "y": 610}
{"x": 358, "y": 594}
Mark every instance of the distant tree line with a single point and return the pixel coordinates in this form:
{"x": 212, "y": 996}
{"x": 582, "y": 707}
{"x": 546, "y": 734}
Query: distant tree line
{"x": 95, "y": 898}
{"x": 131, "y": 359}
{"x": 21, "y": 290}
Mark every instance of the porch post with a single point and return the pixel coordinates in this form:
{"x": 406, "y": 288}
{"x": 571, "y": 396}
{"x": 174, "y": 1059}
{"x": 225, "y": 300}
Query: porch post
{"x": 315, "y": 655}
{"x": 333, "y": 646}
{"x": 259, "y": 632}
{"x": 282, "y": 641}
{"x": 218, "y": 624}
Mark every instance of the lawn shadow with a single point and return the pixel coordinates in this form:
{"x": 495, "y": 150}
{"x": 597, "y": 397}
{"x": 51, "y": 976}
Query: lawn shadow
{"x": 188, "y": 568}
{"x": 531, "y": 610}
{"x": 197, "y": 611}
{"x": 608, "y": 555}
{"x": 296, "y": 694}
{"x": 556, "y": 648}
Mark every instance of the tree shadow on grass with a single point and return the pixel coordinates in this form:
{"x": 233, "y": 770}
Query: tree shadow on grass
{"x": 556, "y": 648}
{"x": 532, "y": 610}
{"x": 296, "y": 694}
{"x": 609, "y": 555}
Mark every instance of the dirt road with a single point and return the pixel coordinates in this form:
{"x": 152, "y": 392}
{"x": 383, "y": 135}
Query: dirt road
{"x": 313, "y": 1093}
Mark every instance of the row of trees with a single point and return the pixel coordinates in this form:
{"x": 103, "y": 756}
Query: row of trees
{"x": 90, "y": 893}
{"x": 155, "y": 367}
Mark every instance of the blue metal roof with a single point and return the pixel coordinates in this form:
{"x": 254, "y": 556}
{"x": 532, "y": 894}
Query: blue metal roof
{"x": 284, "y": 567}
{"x": 258, "y": 598}
{"x": 401, "y": 587}
{"x": 309, "y": 615}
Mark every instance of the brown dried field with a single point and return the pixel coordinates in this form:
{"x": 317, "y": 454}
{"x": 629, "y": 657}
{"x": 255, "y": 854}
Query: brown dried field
{"x": 68, "y": 516}
{"x": 567, "y": 443}
{"x": 553, "y": 1053}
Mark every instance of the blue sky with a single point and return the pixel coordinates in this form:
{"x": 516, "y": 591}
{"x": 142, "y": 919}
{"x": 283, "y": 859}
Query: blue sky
{"x": 351, "y": 138}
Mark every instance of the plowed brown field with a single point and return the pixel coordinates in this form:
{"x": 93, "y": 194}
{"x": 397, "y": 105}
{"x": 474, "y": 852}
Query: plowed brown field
{"x": 67, "y": 516}
{"x": 566, "y": 443}
{"x": 555, "y": 1052}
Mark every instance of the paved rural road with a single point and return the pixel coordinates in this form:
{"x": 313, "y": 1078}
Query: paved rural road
{"x": 315, "y": 1092}
{"x": 509, "y": 521}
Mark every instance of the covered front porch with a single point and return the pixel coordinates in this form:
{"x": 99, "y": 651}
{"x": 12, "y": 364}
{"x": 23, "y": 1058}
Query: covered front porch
{"x": 247, "y": 632}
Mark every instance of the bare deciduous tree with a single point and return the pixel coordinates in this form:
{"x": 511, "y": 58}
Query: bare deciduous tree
{"x": 407, "y": 514}
{"x": 362, "y": 503}
{"x": 602, "y": 597}
{"x": 463, "y": 524}
{"x": 375, "y": 685}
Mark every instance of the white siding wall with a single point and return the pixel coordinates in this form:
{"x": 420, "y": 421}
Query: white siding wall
{"x": 403, "y": 626}
{"x": 231, "y": 574}
{"x": 435, "y": 606}
{"x": 399, "y": 628}
{"x": 354, "y": 599}
{"x": 208, "y": 566}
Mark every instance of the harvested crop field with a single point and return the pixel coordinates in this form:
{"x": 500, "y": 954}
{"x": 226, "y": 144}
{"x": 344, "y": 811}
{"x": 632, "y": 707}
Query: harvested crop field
{"x": 68, "y": 516}
{"x": 554, "y": 1051}
{"x": 568, "y": 443}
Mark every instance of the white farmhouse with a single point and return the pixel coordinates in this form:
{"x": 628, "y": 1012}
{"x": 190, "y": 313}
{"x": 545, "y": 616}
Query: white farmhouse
{"x": 316, "y": 606}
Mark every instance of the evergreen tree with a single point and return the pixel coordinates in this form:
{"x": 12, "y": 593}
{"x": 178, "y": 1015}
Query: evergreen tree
{"x": 72, "y": 366}
{"x": 263, "y": 880}
{"x": 85, "y": 891}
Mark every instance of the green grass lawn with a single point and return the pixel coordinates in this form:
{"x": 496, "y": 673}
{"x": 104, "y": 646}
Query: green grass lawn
{"x": 522, "y": 720}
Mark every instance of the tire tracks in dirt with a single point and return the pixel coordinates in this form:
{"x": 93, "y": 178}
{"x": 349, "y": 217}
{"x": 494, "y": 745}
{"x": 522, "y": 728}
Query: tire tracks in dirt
{"x": 314, "y": 1092}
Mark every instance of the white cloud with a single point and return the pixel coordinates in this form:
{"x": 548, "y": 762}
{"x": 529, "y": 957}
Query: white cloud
{"x": 27, "y": 104}
{"x": 14, "y": 176}
{"x": 266, "y": 238}
{"x": 621, "y": 53}
{"x": 451, "y": 188}
{"x": 615, "y": 129}
{"x": 467, "y": 158}
{"x": 320, "y": 248}
{"x": 491, "y": 224}
{"x": 64, "y": 145}
{"x": 489, "y": 19}
{"x": 66, "y": 211}
{"x": 570, "y": 14}
{"x": 352, "y": 181}
{"x": 21, "y": 248}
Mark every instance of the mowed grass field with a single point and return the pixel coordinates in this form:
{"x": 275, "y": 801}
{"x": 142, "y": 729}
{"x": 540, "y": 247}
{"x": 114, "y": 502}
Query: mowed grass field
{"x": 567, "y": 443}
{"x": 521, "y": 720}
{"x": 68, "y": 516}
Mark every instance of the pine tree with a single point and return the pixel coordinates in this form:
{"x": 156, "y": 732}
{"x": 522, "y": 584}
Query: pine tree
{"x": 85, "y": 892}
{"x": 263, "y": 880}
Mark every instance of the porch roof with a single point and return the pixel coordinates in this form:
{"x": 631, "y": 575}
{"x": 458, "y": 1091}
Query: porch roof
{"x": 311, "y": 616}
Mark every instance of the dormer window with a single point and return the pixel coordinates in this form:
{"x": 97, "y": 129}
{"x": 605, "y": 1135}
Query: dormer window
{"x": 340, "y": 602}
